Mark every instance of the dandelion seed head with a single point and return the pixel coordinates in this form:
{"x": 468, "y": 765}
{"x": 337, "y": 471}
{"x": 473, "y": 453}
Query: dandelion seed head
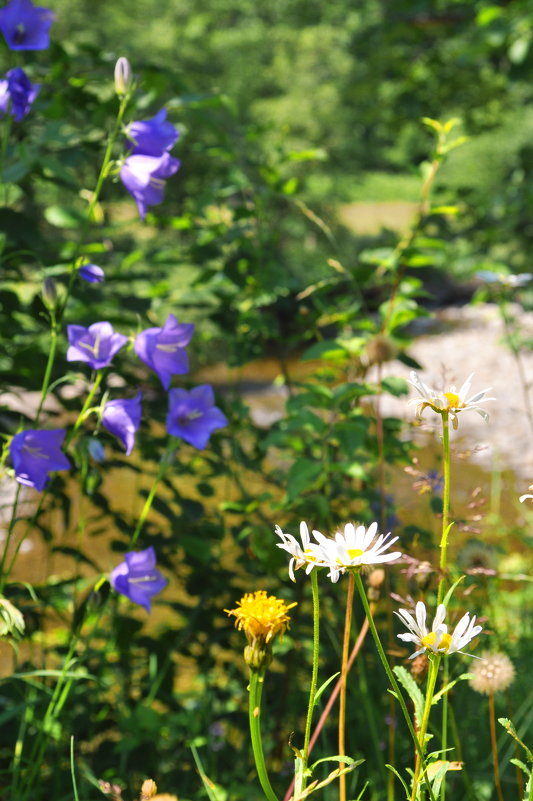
{"x": 492, "y": 673}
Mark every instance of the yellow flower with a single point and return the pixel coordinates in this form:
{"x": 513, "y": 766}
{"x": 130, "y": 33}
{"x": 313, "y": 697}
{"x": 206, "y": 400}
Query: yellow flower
{"x": 261, "y": 617}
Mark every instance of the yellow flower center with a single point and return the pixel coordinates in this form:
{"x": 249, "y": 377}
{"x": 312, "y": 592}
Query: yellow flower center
{"x": 261, "y": 616}
{"x": 429, "y": 640}
{"x": 353, "y": 553}
{"x": 454, "y": 401}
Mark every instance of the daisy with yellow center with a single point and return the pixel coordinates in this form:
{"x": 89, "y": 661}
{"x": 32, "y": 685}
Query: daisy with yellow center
{"x": 437, "y": 640}
{"x": 307, "y": 555}
{"x": 354, "y": 549}
{"x": 451, "y": 402}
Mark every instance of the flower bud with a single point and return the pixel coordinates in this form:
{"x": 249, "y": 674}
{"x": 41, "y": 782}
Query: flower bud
{"x": 123, "y": 76}
{"x": 49, "y": 293}
{"x": 148, "y": 790}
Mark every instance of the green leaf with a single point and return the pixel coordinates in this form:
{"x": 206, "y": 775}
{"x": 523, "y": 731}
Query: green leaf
{"x": 413, "y": 690}
{"x": 60, "y": 217}
{"x": 395, "y": 386}
{"x": 327, "y": 349}
{"x": 302, "y": 476}
{"x": 448, "y": 687}
{"x": 401, "y": 779}
{"x": 323, "y": 687}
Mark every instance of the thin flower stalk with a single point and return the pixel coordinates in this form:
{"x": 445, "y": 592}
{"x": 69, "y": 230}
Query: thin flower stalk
{"x": 333, "y": 697}
{"x": 430, "y": 691}
{"x": 344, "y": 676}
{"x": 494, "y": 749}
{"x": 390, "y": 675}
{"x": 314, "y": 675}
{"x": 257, "y": 678}
{"x": 164, "y": 464}
{"x": 445, "y": 504}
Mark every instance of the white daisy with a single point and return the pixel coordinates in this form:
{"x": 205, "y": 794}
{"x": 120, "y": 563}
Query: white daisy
{"x": 437, "y": 639}
{"x": 453, "y": 401}
{"x": 355, "y": 548}
{"x": 307, "y": 554}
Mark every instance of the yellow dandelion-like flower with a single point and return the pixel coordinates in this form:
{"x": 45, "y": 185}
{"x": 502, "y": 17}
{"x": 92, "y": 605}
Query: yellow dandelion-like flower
{"x": 261, "y": 617}
{"x": 492, "y": 673}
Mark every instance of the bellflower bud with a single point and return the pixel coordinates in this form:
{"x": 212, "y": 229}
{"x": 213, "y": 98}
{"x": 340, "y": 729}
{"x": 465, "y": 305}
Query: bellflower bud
{"x": 49, "y": 293}
{"x": 123, "y": 76}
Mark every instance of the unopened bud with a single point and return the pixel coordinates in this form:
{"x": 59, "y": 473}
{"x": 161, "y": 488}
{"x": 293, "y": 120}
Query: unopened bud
{"x": 258, "y": 656}
{"x": 49, "y": 293}
{"x": 123, "y": 76}
{"x": 149, "y": 788}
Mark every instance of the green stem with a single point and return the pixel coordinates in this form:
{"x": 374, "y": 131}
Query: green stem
{"x": 87, "y": 405}
{"x": 445, "y": 504}
{"x": 344, "y": 674}
{"x": 11, "y": 526}
{"x": 430, "y": 690}
{"x": 49, "y": 364}
{"x": 444, "y": 730}
{"x": 494, "y": 748}
{"x": 314, "y": 674}
{"x": 256, "y": 690}
{"x": 104, "y": 172}
{"x": 390, "y": 675}
{"x": 163, "y": 465}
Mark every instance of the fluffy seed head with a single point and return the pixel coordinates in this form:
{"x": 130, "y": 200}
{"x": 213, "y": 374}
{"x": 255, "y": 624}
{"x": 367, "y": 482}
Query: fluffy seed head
{"x": 492, "y": 673}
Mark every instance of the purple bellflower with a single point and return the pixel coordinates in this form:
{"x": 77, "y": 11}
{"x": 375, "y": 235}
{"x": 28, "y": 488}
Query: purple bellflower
{"x": 152, "y": 137}
{"x": 25, "y": 26}
{"x": 163, "y": 349}
{"x": 144, "y": 178}
{"x": 17, "y": 94}
{"x": 193, "y": 416}
{"x": 95, "y": 345}
{"x": 36, "y": 453}
{"x": 138, "y": 578}
{"x": 122, "y": 419}
{"x": 91, "y": 273}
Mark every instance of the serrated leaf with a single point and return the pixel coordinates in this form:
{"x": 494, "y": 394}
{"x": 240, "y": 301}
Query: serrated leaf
{"x": 412, "y": 689}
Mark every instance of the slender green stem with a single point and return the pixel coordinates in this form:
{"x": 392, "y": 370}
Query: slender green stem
{"x": 430, "y": 690}
{"x": 390, "y": 675}
{"x": 314, "y": 674}
{"x": 494, "y": 748}
{"x": 49, "y": 364}
{"x": 444, "y": 730}
{"x": 10, "y": 528}
{"x": 445, "y": 503}
{"x": 256, "y": 690}
{"x": 87, "y": 405}
{"x": 163, "y": 465}
{"x": 344, "y": 675}
{"x": 104, "y": 172}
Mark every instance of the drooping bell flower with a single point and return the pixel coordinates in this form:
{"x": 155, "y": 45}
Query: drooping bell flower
{"x": 91, "y": 273}
{"x": 163, "y": 349}
{"x": 25, "y": 26}
{"x": 152, "y": 137}
{"x": 144, "y": 178}
{"x": 138, "y": 577}
{"x": 17, "y": 94}
{"x": 122, "y": 419}
{"x": 95, "y": 345}
{"x": 35, "y": 454}
{"x": 193, "y": 416}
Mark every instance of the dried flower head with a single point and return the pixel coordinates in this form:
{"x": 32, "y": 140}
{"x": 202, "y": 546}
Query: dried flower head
{"x": 261, "y": 617}
{"x": 492, "y": 673}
